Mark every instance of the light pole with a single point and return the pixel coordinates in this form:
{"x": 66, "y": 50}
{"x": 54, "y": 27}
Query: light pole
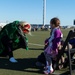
{"x": 44, "y": 12}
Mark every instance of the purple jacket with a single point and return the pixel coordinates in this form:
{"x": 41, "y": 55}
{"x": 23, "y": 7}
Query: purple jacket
{"x": 54, "y": 42}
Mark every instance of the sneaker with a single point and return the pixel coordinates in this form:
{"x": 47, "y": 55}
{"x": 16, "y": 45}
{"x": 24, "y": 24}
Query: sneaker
{"x": 46, "y": 72}
{"x": 51, "y": 71}
{"x": 13, "y": 60}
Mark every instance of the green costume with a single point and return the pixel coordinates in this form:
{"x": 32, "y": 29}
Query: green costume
{"x": 11, "y": 31}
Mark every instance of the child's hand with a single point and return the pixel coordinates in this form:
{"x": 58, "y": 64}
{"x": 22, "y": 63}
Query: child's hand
{"x": 46, "y": 43}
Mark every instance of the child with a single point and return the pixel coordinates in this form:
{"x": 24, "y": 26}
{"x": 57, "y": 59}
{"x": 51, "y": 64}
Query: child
{"x": 54, "y": 42}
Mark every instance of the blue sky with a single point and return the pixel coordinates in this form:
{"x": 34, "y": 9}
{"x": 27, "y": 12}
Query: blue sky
{"x": 32, "y": 11}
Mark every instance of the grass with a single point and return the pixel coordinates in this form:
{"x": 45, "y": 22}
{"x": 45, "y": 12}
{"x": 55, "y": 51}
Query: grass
{"x": 27, "y": 59}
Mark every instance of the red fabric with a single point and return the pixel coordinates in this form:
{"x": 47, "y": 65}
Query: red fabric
{"x": 27, "y": 26}
{"x": 25, "y": 31}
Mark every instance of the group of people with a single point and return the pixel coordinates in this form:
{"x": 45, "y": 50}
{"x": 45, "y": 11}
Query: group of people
{"x": 13, "y": 36}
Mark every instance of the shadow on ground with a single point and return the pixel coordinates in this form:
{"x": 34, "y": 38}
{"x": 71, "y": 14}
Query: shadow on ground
{"x": 22, "y": 65}
{"x": 26, "y": 65}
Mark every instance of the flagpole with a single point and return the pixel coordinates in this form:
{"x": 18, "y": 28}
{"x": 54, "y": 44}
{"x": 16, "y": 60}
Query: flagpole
{"x": 44, "y": 12}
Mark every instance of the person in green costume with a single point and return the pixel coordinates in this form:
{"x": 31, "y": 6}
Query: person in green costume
{"x": 13, "y": 36}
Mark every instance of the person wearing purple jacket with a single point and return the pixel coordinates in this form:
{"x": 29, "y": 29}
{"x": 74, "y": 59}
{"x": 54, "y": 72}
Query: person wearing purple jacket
{"x": 54, "y": 42}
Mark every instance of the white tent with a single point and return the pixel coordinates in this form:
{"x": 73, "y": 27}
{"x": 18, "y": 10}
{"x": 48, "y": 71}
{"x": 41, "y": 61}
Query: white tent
{"x": 2, "y": 24}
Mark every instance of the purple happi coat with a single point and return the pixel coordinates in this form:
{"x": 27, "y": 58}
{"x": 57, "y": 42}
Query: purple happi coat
{"x": 54, "y": 42}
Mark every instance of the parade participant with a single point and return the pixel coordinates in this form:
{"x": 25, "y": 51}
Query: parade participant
{"x": 13, "y": 36}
